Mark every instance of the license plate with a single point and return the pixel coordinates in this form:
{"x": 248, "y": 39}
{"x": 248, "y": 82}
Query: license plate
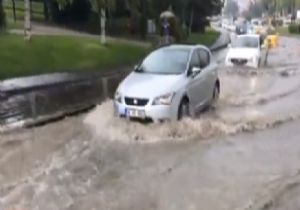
{"x": 135, "y": 113}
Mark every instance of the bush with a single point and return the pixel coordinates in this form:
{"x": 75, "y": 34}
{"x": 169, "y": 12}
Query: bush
{"x": 294, "y": 29}
{"x": 118, "y": 26}
{"x": 76, "y": 11}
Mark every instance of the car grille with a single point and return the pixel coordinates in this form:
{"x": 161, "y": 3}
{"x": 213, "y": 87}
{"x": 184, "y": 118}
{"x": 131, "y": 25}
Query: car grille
{"x": 136, "y": 101}
{"x": 239, "y": 61}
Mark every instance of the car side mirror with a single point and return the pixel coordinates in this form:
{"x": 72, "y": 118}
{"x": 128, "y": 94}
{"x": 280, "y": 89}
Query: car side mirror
{"x": 195, "y": 71}
{"x": 136, "y": 68}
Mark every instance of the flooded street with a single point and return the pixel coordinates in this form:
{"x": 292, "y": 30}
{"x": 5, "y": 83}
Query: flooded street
{"x": 240, "y": 155}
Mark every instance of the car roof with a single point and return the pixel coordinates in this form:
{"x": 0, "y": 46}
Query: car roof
{"x": 183, "y": 46}
{"x": 249, "y": 35}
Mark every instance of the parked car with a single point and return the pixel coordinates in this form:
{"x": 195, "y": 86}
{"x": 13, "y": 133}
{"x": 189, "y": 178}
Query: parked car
{"x": 172, "y": 82}
{"x": 247, "y": 50}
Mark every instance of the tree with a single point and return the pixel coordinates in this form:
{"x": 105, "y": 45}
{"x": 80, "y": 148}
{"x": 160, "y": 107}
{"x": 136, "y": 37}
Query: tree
{"x": 74, "y": 11}
{"x": 197, "y": 12}
{"x": 14, "y": 10}
{"x": 2, "y": 15}
{"x": 46, "y": 10}
{"x": 232, "y": 8}
{"x": 255, "y": 9}
{"x": 101, "y": 7}
{"x": 27, "y": 20}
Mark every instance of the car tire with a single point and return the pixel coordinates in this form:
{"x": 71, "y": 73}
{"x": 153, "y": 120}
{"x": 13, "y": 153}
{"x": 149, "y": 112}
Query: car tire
{"x": 216, "y": 95}
{"x": 184, "y": 109}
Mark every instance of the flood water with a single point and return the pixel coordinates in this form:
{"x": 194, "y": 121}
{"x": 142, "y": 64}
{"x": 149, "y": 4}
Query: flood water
{"x": 216, "y": 161}
{"x": 249, "y": 100}
{"x": 69, "y": 93}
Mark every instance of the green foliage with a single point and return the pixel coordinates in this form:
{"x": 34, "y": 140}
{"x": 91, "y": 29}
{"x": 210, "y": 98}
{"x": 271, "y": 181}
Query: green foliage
{"x": 272, "y": 6}
{"x": 46, "y": 54}
{"x": 201, "y": 9}
{"x": 255, "y": 9}
{"x": 176, "y": 30}
{"x": 207, "y": 38}
{"x": 74, "y": 12}
{"x": 294, "y": 29}
{"x": 2, "y": 16}
{"x": 36, "y": 10}
{"x": 231, "y": 8}
{"x": 97, "y": 5}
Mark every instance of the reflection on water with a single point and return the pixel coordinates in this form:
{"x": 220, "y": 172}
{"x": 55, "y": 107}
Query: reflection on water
{"x": 61, "y": 97}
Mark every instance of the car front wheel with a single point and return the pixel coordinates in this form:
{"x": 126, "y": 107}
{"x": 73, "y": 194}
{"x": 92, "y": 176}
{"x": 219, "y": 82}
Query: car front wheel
{"x": 184, "y": 109}
{"x": 216, "y": 95}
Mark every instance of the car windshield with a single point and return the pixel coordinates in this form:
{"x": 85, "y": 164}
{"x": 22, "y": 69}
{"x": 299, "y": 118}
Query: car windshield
{"x": 166, "y": 61}
{"x": 246, "y": 42}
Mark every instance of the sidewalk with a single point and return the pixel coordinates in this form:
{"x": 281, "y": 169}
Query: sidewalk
{"x": 223, "y": 40}
{"x": 39, "y": 30}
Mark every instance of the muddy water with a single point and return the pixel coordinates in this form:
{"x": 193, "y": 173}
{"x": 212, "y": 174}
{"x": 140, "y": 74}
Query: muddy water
{"x": 249, "y": 100}
{"x": 96, "y": 161}
{"x": 64, "y": 97}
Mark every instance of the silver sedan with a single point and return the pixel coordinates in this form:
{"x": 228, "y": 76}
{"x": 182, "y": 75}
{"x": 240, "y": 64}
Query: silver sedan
{"x": 172, "y": 82}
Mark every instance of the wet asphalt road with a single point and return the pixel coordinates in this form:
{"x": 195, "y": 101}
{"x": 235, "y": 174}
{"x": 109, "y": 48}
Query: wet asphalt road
{"x": 242, "y": 155}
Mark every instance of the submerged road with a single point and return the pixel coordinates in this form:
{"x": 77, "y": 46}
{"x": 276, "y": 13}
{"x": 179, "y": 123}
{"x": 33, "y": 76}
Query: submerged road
{"x": 242, "y": 155}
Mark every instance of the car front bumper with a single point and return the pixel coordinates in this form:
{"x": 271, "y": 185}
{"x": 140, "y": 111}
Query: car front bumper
{"x": 152, "y": 112}
{"x": 251, "y": 64}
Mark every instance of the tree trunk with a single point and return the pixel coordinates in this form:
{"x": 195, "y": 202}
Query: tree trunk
{"x": 103, "y": 21}
{"x": 191, "y": 21}
{"x": 143, "y": 20}
{"x": 46, "y": 10}
{"x": 27, "y": 21}
{"x": 30, "y": 1}
{"x": 14, "y": 10}
{"x": 2, "y": 15}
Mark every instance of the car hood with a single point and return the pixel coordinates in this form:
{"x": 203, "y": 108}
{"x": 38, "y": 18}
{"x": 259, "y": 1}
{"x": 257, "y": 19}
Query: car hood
{"x": 244, "y": 53}
{"x": 144, "y": 85}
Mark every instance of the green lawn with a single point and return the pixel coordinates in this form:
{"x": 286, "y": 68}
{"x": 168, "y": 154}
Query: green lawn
{"x": 36, "y": 10}
{"x": 283, "y": 31}
{"x": 207, "y": 38}
{"x": 36, "y": 6}
{"x": 46, "y": 54}
{"x": 11, "y": 24}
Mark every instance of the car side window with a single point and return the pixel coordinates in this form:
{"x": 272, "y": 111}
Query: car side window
{"x": 195, "y": 60}
{"x": 204, "y": 57}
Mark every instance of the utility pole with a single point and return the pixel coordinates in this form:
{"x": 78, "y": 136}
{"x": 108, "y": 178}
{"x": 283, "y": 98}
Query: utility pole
{"x": 27, "y": 21}
{"x": 275, "y": 13}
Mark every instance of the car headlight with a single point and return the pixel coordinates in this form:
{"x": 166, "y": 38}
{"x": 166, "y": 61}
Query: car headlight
{"x": 164, "y": 99}
{"x": 118, "y": 97}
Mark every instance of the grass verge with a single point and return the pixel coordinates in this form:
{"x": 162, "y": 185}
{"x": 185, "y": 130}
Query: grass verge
{"x": 47, "y": 54}
{"x": 207, "y": 38}
{"x": 283, "y": 31}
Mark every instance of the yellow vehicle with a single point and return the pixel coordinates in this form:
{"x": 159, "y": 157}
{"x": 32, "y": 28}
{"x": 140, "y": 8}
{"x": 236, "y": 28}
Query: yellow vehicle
{"x": 272, "y": 41}
{"x": 272, "y": 38}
